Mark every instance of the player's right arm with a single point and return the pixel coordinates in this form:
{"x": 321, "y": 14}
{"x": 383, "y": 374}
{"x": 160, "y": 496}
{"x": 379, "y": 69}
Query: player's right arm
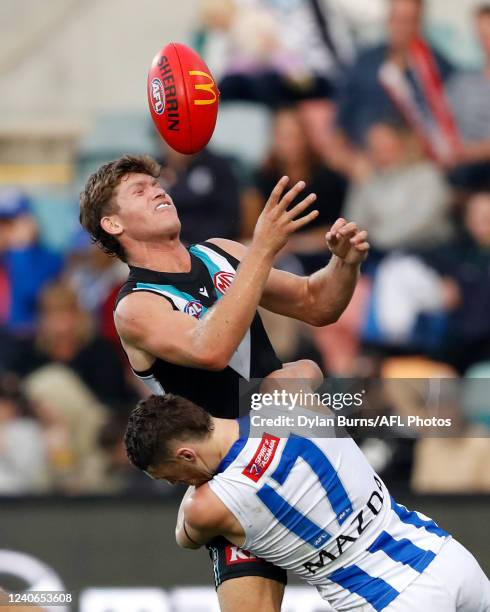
{"x": 149, "y": 327}
{"x": 202, "y": 517}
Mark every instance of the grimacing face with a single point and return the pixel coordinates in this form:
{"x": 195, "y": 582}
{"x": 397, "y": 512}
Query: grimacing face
{"x": 145, "y": 211}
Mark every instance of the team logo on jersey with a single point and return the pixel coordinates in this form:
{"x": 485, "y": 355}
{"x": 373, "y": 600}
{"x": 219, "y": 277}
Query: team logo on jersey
{"x": 222, "y": 280}
{"x": 263, "y": 457}
{"x": 237, "y": 555}
{"x": 194, "y": 309}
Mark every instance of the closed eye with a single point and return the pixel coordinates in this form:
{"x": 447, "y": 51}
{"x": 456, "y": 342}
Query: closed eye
{"x": 137, "y": 188}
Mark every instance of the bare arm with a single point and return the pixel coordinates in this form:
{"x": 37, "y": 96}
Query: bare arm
{"x": 474, "y": 152}
{"x": 203, "y": 516}
{"x": 321, "y": 298}
{"x": 302, "y": 375}
{"x": 211, "y": 341}
{"x": 181, "y": 529}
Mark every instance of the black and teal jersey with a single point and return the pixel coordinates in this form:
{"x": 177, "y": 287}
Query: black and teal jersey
{"x": 212, "y": 272}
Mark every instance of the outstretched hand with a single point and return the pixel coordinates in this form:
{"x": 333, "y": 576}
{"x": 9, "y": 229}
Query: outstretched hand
{"x": 277, "y": 221}
{"x": 347, "y": 242}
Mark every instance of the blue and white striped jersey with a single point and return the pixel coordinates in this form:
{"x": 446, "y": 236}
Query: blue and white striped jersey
{"x": 314, "y": 506}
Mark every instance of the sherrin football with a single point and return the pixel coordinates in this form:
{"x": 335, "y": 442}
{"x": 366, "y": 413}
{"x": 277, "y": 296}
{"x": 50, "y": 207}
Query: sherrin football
{"x": 183, "y": 98}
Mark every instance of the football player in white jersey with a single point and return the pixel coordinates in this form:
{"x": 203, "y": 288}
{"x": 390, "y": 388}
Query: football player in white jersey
{"x": 312, "y": 505}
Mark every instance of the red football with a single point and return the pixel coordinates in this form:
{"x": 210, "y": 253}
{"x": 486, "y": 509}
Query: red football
{"x": 183, "y": 98}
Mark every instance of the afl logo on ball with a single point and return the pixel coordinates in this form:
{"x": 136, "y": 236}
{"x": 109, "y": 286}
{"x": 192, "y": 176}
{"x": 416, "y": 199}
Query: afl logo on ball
{"x": 194, "y": 309}
{"x": 223, "y": 280}
{"x": 157, "y": 95}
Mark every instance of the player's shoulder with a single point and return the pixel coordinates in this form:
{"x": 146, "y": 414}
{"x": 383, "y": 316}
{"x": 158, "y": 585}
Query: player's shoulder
{"x": 135, "y": 308}
{"x": 230, "y": 247}
{"x": 204, "y": 509}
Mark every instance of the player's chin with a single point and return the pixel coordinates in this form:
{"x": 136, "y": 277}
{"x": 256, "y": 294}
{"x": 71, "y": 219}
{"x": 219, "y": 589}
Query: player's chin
{"x": 171, "y": 226}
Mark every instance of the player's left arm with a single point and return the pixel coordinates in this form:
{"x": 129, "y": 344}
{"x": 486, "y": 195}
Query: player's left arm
{"x": 303, "y": 374}
{"x": 203, "y": 516}
{"x": 321, "y": 298}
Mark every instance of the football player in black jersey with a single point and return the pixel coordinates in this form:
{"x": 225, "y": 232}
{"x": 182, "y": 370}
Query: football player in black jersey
{"x": 187, "y": 316}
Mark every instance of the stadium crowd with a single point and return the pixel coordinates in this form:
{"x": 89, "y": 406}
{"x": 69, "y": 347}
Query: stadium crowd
{"x": 360, "y": 126}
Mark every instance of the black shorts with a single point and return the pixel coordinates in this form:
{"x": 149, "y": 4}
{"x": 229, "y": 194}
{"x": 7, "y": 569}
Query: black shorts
{"x": 229, "y": 561}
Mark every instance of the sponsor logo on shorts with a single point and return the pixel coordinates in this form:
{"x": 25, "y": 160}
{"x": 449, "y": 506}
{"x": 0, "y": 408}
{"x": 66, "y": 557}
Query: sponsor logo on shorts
{"x": 194, "y": 309}
{"x": 262, "y": 458}
{"x": 157, "y": 96}
{"x": 222, "y": 280}
{"x": 237, "y": 555}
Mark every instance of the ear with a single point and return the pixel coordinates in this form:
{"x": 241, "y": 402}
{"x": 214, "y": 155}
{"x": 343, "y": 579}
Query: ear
{"x": 111, "y": 225}
{"x": 186, "y": 454}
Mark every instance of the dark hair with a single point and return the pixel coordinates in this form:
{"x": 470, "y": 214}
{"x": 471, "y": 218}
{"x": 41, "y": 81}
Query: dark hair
{"x": 156, "y": 421}
{"x": 97, "y": 199}
{"x": 483, "y": 10}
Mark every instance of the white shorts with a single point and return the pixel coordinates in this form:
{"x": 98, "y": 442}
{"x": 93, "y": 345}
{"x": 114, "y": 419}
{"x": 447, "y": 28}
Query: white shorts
{"x": 453, "y": 582}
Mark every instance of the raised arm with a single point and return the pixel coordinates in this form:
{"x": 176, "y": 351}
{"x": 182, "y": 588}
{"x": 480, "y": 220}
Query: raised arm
{"x": 210, "y": 342}
{"x": 321, "y": 298}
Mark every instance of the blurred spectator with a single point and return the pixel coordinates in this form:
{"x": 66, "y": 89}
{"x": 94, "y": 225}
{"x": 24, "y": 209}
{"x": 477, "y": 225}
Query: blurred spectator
{"x": 205, "y": 191}
{"x": 475, "y": 394}
{"x": 409, "y": 389}
{"x": 276, "y": 52}
{"x": 273, "y": 51}
{"x": 469, "y": 95}
{"x": 71, "y": 417}
{"x": 438, "y": 302}
{"x": 291, "y": 155}
{"x": 465, "y": 264}
{"x": 24, "y": 464}
{"x": 452, "y": 465}
{"x": 119, "y": 475}
{"x": 442, "y": 462}
{"x": 364, "y": 100}
{"x": 407, "y": 307}
{"x": 404, "y": 203}
{"x": 7, "y": 349}
{"x": 96, "y": 277}
{"x": 65, "y": 335}
{"x": 25, "y": 265}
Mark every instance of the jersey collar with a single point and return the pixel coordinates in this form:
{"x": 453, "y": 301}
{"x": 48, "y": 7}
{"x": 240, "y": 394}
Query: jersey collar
{"x": 232, "y": 454}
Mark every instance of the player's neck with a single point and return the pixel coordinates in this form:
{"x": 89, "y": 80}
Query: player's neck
{"x": 226, "y": 432}
{"x": 168, "y": 255}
